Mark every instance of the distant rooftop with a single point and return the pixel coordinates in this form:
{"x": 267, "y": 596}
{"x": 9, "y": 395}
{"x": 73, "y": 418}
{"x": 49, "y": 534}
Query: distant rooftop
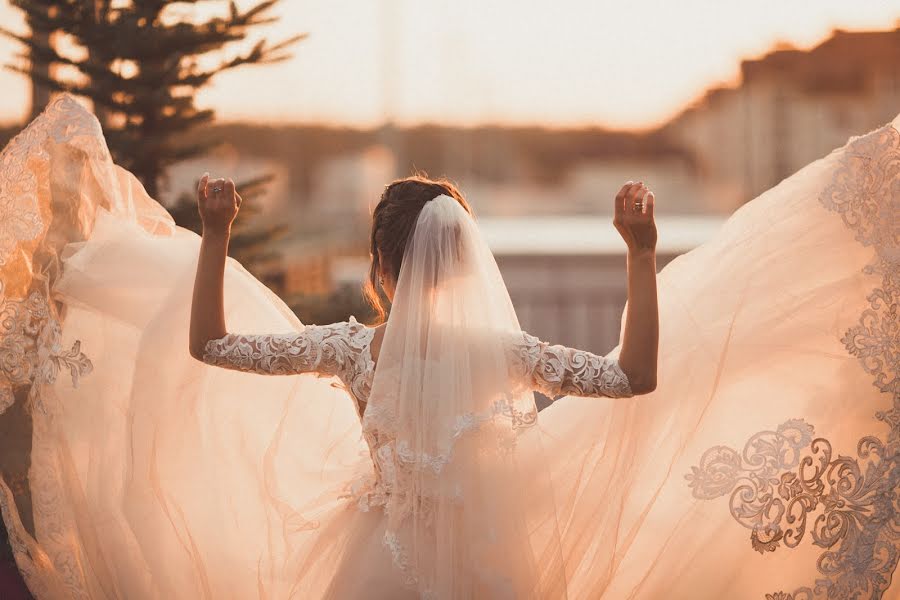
{"x": 837, "y": 64}
{"x": 575, "y": 235}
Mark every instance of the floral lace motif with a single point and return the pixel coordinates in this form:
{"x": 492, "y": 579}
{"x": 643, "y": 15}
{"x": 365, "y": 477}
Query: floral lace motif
{"x": 556, "y": 370}
{"x": 31, "y": 352}
{"x": 20, "y": 214}
{"x": 24, "y": 217}
{"x": 323, "y": 350}
{"x": 783, "y": 476}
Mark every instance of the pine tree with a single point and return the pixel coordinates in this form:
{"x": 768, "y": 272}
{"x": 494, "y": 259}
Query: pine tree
{"x": 141, "y": 67}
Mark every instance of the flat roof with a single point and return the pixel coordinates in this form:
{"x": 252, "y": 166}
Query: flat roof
{"x": 577, "y": 235}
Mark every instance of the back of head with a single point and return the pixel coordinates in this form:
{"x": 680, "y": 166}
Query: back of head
{"x": 393, "y": 223}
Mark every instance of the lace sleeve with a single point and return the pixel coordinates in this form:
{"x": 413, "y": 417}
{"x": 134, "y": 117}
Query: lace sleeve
{"x": 321, "y": 349}
{"x": 555, "y": 370}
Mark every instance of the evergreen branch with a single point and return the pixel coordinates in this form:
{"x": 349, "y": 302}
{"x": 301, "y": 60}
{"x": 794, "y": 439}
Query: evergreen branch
{"x": 255, "y": 11}
{"x": 147, "y": 114}
{"x": 271, "y": 60}
{"x": 252, "y": 188}
{"x": 259, "y": 54}
{"x": 49, "y": 82}
{"x": 288, "y": 42}
{"x": 42, "y": 54}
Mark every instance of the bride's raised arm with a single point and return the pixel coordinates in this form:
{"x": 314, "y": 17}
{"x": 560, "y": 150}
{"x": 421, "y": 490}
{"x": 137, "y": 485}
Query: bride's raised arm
{"x": 321, "y": 349}
{"x": 634, "y": 219}
{"x": 557, "y": 370}
{"x": 218, "y": 203}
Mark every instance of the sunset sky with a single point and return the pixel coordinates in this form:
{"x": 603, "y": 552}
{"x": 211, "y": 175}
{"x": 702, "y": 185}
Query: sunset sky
{"x": 559, "y": 62}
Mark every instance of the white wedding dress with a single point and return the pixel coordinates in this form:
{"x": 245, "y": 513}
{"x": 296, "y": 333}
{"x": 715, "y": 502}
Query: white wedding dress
{"x": 764, "y": 465}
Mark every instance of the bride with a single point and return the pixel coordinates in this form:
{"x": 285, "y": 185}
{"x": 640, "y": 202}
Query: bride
{"x": 756, "y": 459}
{"x": 447, "y": 426}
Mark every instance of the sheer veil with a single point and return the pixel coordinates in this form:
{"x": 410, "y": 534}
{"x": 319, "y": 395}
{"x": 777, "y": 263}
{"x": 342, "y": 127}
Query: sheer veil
{"x": 458, "y": 428}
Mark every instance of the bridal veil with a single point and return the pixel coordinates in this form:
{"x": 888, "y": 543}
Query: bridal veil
{"x": 471, "y": 513}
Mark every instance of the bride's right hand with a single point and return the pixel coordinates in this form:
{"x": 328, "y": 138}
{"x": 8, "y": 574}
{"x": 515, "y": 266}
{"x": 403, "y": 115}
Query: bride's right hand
{"x": 218, "y": 203}
{"x": 637, "y": 227}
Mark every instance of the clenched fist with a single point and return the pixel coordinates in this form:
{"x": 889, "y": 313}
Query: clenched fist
{"x": 218, "y": 203}
{"x": 634, "y": 217}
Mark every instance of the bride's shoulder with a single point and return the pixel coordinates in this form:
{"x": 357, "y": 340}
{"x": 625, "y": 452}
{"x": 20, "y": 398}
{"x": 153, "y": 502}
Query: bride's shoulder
{"x": 356, "y": 327}
{"x": 356, "y": 330}
{"x": 520, "y": 340}
{"x": 524, "y": 347}
{"x": 350, "y": 336}
{"x": 350, "y": 327}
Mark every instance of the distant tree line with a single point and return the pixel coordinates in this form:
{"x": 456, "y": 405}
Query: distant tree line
{"x": 490, "y": 152}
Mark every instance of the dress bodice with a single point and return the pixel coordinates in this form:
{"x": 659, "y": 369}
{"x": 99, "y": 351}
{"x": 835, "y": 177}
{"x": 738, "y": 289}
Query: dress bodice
{"x": 343, "y": 350}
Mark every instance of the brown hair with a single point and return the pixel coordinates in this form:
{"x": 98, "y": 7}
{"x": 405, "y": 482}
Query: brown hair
{"x": 393, "y": 222}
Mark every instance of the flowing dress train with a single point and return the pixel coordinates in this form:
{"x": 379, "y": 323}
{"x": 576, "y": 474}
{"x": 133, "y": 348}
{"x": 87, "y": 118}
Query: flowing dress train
{"x": 764, "y": 465}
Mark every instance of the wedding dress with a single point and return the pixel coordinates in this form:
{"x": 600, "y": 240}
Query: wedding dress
{"x": 764, "y": 465}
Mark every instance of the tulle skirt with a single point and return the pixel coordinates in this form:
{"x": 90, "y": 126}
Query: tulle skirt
{"x": 764, "y": 465}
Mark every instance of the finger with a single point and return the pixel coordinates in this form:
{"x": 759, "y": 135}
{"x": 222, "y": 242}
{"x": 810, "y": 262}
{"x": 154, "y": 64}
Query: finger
{"x": 651, "y": 202}
{"x": 217, "y": 188}
{"x": 620, "y": 197}
{"x": 643, "y": 200}
{"x": 238, "y": 199}
{"x": 229, "y": 190}
{"x": 636, "y": 192}
{"x": 201, "y": 188}
{"x": 624, "y": 190}
{"x": 640, "y": 201}
{"x": 633, "y": 192}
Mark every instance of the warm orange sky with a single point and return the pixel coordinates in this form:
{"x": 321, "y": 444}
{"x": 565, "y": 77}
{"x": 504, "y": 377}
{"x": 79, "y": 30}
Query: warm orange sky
{"x": 557, "y": 62}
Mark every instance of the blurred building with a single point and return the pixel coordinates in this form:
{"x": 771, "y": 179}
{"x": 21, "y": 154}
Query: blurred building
{"x": 544, "y": 196}
{"x": 227, "y": 162}
{"x": 567, "y": 276}
{"x": 791, "y": 107}
{"x": 317, "y": 266}
{"x": 348, "y": 186}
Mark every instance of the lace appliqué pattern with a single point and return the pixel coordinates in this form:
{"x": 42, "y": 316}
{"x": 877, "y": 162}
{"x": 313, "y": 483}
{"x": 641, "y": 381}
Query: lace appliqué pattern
{"x": 556, "y": 370}
{"x": 31, "y": 351}
{"x": 785, "y": 475}
{"x": 339, "y": 349}
{"x": 19, "y": 213}
{"x": 326, "y": 350}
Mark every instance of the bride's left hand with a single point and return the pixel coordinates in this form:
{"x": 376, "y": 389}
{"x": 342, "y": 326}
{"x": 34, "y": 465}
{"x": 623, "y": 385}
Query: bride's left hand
{"x": 218, "y": 203}
{"x": 636, "y": 225}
